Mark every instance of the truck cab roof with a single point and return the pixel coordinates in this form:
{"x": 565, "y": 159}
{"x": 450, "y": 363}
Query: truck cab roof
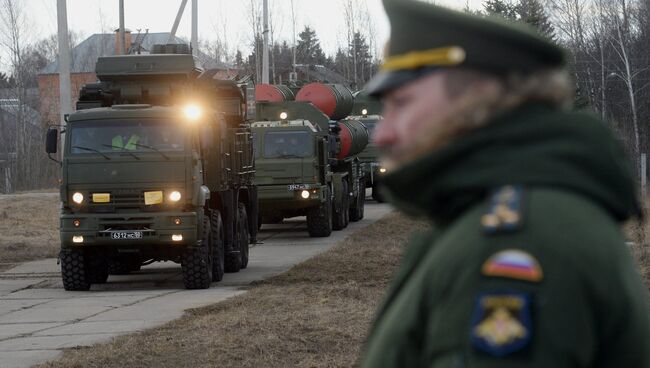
{"x": 126, "y": 112}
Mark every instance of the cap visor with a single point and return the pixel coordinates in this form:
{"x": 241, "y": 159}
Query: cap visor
{"x": 384, "y": 82}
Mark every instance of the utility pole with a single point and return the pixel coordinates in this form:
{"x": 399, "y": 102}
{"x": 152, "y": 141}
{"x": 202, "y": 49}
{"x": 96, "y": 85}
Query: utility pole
{"x": 195, "y": 26}
{"x": 65, "y": 98}
{"x": 265, "y": 52}
{"x": 122, "y": 30}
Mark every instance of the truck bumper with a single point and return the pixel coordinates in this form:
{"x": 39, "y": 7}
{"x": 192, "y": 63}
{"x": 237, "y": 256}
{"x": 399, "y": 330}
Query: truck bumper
{"x": 157, "y": 229}
{"x": 277, "y": 197}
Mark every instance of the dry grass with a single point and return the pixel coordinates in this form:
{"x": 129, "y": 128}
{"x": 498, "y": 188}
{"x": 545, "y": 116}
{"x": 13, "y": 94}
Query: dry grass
{"x": 29, "y": 227}
{"x": 315, "y": 315}
{"x": 639, "y": 234}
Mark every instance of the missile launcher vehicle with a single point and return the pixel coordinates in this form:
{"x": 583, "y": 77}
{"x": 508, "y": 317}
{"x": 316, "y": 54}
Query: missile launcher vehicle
{"x": 157, "y": 166}
{"x": 368, "y": 111}
{"x": 306, "y": 162}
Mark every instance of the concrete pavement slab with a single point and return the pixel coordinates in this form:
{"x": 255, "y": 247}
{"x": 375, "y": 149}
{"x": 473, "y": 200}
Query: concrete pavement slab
{"x": 26, "y": 358}
{"x": 10, "y": 330}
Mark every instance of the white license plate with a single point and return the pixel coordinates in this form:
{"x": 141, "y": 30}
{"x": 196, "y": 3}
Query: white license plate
{"x": 126, "y": 235}
{"x": 292, "y": 187}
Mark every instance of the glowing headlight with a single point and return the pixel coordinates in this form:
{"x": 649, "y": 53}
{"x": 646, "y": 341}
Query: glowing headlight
{"x": 78, "y": 239}
{"x": 78, "y": 198}
{"x": 192, "y": 112}
{"x": 364, "y": 112}
{"x": 175, "y": 196}
{"x": 284, "y": 116}
{"x": 177, "y": 237}
{"x": 304, "y": 194}
{"x": 382, "y": 170}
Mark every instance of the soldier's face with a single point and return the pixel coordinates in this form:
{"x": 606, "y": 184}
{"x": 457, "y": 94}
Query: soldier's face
{"x": 412, "y": 113}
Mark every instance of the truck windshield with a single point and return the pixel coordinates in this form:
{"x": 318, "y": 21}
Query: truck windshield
{"x": 126, "y": 136}
{"x": 288, "y": 144}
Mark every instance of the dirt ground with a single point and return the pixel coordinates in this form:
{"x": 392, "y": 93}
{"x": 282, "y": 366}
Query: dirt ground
{"x": 315, "y": 315}
{"x": 29, "y": 227}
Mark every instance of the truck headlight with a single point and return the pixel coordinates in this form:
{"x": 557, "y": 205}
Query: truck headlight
{"x": 175, "y": 196}
{"x": 382, "y": 170}
{"x": 78, "y": 198}
{"x": 304, "y": 194}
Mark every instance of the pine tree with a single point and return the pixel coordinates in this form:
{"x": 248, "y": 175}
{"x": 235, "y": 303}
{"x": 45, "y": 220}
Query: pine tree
{"x": 500, "y": 8}
{"x": 308, "y": 50}
{"x": 533, "y": 13}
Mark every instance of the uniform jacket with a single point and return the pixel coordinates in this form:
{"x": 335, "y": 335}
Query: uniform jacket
{"x": 526, "y": 264}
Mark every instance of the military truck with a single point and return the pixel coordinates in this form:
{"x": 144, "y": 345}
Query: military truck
{"x": 368, "y": 110}
{"x": 307, "y": 165}
{"x": 157, "y": 166}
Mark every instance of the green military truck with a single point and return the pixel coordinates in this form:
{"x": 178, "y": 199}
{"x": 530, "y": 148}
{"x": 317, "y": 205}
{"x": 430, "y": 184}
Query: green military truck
{"x": 307, "y": 166}
{"x": 157, "y": 166}
{"x": 368, "y": 111}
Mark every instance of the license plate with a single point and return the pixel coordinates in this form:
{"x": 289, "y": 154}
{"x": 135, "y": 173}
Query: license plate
{"x": 126, "y": 235}
{"x": 292, "y": 187}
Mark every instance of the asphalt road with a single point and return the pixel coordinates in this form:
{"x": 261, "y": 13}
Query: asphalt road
{"x": 38, "y": 318}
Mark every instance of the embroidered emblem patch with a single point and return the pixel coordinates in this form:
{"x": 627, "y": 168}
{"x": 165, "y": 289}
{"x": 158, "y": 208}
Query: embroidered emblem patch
{"x": 502, "y": 323}
{"x": 513, "y": 264}
{"x": 504, "y": 212}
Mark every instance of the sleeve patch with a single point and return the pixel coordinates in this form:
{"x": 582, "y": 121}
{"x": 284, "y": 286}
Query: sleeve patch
{"x": 513, "y": 264}
{"x": 502, "y": 323}
{"x": 505, "y": 212}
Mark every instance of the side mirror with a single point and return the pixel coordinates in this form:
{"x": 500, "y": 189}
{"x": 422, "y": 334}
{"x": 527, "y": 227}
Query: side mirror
{"x": 51, "y": 141}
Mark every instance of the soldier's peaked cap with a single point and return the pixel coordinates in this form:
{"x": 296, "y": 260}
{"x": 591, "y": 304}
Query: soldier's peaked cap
{"x": 426, "y": 37}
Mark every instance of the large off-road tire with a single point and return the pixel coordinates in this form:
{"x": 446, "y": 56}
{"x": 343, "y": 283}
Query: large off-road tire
{"x": 96, "y": 268}
{"x": 218, "y": 245}
{"x": 319, "y": 219}
{"x": 73, "y": 271}
{"x": 244, "y": 235}
{"x": 338, "y": 217}
{"x": 376, "y": 193}
{"x": 233, "y": 257}
{"x": 341, "y": 219}
{"x": 357, "y": 213}
{"x": 196, "y": 262}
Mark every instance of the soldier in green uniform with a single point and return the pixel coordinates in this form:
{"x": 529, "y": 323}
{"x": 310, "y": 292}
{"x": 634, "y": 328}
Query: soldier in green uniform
{"x": 526, "y": 264}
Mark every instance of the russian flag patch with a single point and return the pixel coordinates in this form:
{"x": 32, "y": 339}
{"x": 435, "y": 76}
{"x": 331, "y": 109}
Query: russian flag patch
{"x": 513, "y": 264}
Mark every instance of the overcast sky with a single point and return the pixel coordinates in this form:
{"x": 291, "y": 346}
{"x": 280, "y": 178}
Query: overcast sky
{"x": 94, "y": 16}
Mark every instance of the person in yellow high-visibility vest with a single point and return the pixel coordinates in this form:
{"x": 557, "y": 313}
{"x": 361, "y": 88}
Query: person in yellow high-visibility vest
{"x": 131, "y": 143}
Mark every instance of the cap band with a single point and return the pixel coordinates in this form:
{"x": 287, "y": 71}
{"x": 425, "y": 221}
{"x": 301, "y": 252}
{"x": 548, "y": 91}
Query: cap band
{"x": 443, "y": 56}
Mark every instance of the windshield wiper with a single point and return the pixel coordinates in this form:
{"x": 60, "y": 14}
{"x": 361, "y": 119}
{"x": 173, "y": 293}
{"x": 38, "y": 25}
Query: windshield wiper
{"x": 122, "y": 149}
{"x": 289, "y": 156}
{"x": 91, "y": 150}
{"x": 152, "y": 148}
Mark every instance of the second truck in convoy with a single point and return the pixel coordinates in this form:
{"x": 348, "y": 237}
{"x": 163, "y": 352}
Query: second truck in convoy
{"x": 157, "y": 166}
{"x": 306, "y": 157}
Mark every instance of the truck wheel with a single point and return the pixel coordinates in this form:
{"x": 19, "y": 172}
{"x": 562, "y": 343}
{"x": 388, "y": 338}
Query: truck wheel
{"x": 346, "y": 204}
{"x": 244, "y": 235}
{"x": 319, "y": 219}
{"x": 196, "y": 263}
{"x": 233, "y": 258}
{"x": 97, "y": 269}
{"x": 376, "y": 195}
{"x": 357, "y": 213}
{"x": 218, "y": 261}
{"x": 338, "y": 221}
{"x": 73, "y": 271}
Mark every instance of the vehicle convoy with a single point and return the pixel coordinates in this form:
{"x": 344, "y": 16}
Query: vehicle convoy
{"x": 368, "y": 110}
{"x": 157, "y": 166}
{"x": 307, "y": 164}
